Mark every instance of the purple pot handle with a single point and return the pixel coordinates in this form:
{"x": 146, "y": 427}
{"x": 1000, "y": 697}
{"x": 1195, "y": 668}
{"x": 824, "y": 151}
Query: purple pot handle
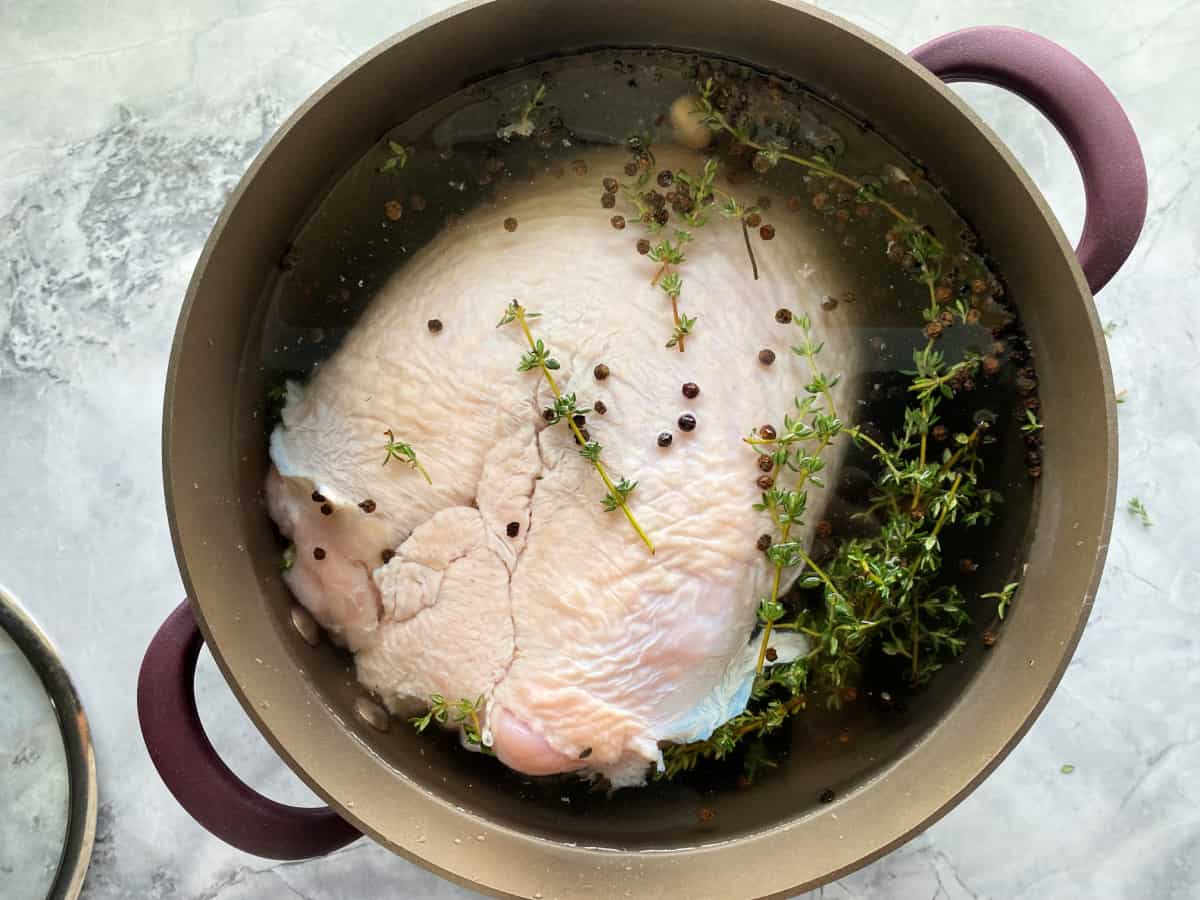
{"x": 196, "y": 776}
{"x": 1085, "y": 113}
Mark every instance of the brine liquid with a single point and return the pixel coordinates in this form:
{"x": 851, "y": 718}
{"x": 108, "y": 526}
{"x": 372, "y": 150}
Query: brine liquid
{"x": 468, "y": 150}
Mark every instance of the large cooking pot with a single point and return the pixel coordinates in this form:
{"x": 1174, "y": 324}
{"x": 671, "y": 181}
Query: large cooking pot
{"x": 428, "y": 802}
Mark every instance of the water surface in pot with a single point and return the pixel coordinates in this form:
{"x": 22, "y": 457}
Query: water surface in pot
{"x": 543, "y": 123}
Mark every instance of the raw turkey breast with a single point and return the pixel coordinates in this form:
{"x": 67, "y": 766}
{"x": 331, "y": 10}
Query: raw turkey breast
{"x": 587, "y": 649}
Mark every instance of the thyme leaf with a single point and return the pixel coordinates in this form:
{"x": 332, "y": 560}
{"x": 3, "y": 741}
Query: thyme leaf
{"x": 402, "y": 452}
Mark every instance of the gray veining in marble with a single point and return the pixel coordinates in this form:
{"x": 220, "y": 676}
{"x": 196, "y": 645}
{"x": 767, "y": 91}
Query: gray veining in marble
{"x": 123, "y": 124}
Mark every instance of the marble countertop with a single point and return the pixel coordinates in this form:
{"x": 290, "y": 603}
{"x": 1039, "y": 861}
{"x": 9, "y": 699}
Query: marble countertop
{"x": 124, "y": 124}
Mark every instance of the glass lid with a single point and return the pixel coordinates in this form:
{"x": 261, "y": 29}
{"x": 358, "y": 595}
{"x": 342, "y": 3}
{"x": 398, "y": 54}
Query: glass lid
{"x": 47, "y": 769}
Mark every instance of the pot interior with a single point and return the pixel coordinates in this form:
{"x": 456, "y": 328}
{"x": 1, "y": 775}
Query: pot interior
{"x": 335, "y": 263}
{"x": 935, "y": 745}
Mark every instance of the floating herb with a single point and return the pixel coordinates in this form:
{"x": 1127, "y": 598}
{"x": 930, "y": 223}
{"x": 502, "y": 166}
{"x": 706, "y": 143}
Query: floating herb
{"x": 398, "y": 159}
{"x": 288, "y": 559}
{"x": 398, "y": 450}
{"x": 565, "y": 409}
{"x": 463, "y": 713}
{"x": 1031, "y": 424}
{"x": 1137, "y": 508}
{"x": 1002, "y": 597}
{"x": 525, "y": 116}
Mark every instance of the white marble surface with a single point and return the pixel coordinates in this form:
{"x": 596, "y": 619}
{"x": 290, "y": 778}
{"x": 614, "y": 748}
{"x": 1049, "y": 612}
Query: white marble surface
{"x": 124, "y": 123}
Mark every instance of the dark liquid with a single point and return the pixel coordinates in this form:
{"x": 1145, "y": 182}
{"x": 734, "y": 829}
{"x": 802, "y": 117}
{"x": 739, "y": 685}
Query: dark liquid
{"x": 372, "y": 221}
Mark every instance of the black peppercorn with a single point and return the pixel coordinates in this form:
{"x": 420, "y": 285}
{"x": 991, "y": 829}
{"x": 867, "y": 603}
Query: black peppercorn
{"x": 765, "y": 463}
{"x": 580, "y": 420}
{"x": 772, "y": 654}
{"x": 600, "y": 407}
{"x": 601, "y": 371}
{"x": 318, "y": 497}
{"x": 827, "y": 796}
{"x": 548, "y": 414}
{"x": 631, "y": 169}
{"x": 608, "y": 201}
{"x": 664, "y": 439}
{"x": 691, "y": 390}
{"x": 643, "y": 246}
{"x": 610, "y": 185}
{"x": 824, "y": 528}
{"x": 662, "y": 217}
{"x": 327, "y": 509}
{"x": 318, "y": 553}
{"x": 435, "y": 325}
{"x": 617, "y": 222}
{"x": 763, "y": 543}
{"x": 753, "y": 220}
{"x": 666, "y": 178}
{"x": 367, "y": 506}
{"x": 687, "y": 422}
{"x": 767, "y": 432}
{"x": 387, "y": 556}
{"x": 783, "y": 315}
{"x": 938, "y": 432}
{"x": 765, "y": 482}
{"x": 513, "y": 529}
{"x": 767, "y": 232}
{"x": 510, "y": 224}
{"x": 766, "y": 357}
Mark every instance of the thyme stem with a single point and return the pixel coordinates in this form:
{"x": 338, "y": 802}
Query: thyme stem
{"x": 601, "y": 470}
{"x": 749, "y": 249}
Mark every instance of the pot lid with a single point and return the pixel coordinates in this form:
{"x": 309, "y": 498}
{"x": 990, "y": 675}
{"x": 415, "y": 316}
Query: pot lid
{"x": 47, "y": 768}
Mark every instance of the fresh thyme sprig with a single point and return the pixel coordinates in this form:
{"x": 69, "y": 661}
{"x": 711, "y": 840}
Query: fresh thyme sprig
{"x": 565, "y": 409}
{"x": 880, "y": 593}
{"x": 1031, "y": 424}
{"x": 694, "y": 196}
{"x": 1002, "y": 597}
{"x": 926, "y": 250}
{"x": 787, "y": 507}
{"x": 463, "y": 713}
{"x": 669, "y": 280}
{"x": 399, "y": 157}
{"x": 526, "y": 114}
{"x": 403, "y": 452}
{"x": 1137, "y": 508}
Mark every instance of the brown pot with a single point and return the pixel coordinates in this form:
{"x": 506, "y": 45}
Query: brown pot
{"x": 426, "y": 802}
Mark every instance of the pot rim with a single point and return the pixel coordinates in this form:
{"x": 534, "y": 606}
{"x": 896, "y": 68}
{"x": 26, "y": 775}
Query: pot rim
{"x": 491, "y": 866}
